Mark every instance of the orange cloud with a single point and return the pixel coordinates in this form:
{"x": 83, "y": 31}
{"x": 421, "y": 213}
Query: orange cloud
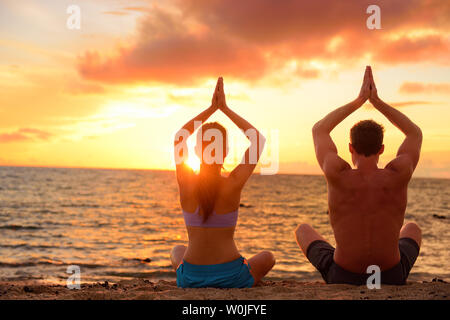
{"x": 169, "y": 52}
{"x": 402, "y": 104}
{"x": 426, "y": 48}
{"x": 410, "y": 103}
{"x": 75, "y": 87}
{"x": 249, "y": 39}
{"x": 418, "y": 87}
{"x": 116, "y": 13}
{"x": 123, "y": 11}
{"x": 137, "y": 9}
{"x": 305, "y": 72}
{"x": 25, "y": 134}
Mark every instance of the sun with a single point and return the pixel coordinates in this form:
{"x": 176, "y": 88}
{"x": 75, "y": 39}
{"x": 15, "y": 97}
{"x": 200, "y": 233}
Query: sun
{"x": 194, "y": 162}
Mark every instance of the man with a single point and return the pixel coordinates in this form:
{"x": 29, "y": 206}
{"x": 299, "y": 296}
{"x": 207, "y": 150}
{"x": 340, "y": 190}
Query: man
{"x": 367, "y": 204}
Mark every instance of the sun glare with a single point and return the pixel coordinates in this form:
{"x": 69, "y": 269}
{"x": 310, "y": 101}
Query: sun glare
{"x": 194, "y": 162}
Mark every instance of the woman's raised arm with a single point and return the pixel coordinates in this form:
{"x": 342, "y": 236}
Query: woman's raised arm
{"x": 257, "y": 141}
{"x": 180, "y": 141}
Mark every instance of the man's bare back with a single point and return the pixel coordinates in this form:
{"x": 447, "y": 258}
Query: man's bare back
{"x": 366, "y": 214}
{"x": 366, "y": 204}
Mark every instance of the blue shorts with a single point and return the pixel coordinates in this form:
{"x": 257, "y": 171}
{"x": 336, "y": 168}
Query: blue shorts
{"x": 233, "y": 274}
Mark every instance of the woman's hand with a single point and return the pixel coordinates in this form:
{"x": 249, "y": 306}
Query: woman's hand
{"x": 364, "y": 94}
{"x": 214, "y": 102}
{"x": 203, "y": 116}
{"x": 218, "y": 99}
{"x": 221, "y": 100}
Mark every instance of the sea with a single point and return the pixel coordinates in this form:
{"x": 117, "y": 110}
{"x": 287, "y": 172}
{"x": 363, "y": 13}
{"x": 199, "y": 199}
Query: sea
{"x": 121, "y": 224}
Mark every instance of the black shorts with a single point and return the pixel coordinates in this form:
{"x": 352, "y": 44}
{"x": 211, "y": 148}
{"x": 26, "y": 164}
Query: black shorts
{"x": 320, "y": 254}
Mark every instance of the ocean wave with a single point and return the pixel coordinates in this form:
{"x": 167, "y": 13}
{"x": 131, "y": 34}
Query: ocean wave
{"x": 14, "y": 246}
{"x": 42, "y": 246}
{"x": 80, "y": 205}
{"x": 150, "y": 274}
{"x": 19, "y": 227}
{"x": 27, "y": 264}
{"x": 48, "y": 263}
{"x": 148, "y": 229}
{"x": 137, "y": 260}
{"x": 20, "y": 206}
{"x": 46, "y": 211}
{"x": 11, "y": 176}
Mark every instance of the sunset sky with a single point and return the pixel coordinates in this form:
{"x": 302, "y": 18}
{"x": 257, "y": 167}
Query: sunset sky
{"x": 113, "y": 94}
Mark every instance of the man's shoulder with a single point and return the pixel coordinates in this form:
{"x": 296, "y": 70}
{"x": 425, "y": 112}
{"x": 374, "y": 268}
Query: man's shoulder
{"x": 383, "y": 177}
{"x": 336, "y": 175}
{"x": 401, "y": 166}
{"x": 398, "y": 175}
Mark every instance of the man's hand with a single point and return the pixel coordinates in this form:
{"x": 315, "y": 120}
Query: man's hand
{"x": 326, "y": 151}
{"x": 409, "y": 152}
{"x": 373, "y": 88}
{"x": 364, "y": 94}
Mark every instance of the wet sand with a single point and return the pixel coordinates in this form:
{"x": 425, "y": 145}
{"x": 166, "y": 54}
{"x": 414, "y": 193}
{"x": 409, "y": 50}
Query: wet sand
{"x": 268, "y": 290}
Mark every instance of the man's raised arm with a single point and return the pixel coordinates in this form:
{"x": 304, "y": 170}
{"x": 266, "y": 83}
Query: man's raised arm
{"x": 326, "y": 151}
{"x": 409, "y": 152}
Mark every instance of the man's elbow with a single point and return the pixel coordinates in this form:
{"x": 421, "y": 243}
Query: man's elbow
{"x": 317, "y": 128}
{"x": 417, "y": 133}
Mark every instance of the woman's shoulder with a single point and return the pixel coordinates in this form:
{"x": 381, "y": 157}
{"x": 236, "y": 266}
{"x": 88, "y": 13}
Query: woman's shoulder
{"x": 230, "y": 185}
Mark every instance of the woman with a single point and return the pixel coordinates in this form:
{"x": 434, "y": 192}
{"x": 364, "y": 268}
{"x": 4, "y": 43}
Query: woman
{"x": 210, "y": 206}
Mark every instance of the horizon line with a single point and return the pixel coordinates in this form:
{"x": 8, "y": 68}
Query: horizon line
{"x": 171, "y": 170}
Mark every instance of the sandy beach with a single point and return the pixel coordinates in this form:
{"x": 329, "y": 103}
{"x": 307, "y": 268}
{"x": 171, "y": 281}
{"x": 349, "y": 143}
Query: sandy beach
{"x": 141, "y": 289}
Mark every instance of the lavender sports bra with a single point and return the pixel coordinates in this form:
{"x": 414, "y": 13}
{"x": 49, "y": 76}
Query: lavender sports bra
{"x": 214, "y": 220}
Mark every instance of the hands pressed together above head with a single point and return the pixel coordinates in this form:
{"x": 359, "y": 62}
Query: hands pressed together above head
{"x": 368, "y": 88}
{"x": 218, "y": 100}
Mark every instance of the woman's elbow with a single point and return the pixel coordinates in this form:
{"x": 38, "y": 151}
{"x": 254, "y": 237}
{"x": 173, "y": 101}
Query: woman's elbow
{"x": 261, "y": 142}
{"x": 181, "y": 136}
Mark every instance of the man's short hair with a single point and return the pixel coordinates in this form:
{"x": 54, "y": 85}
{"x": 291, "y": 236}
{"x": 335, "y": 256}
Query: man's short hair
{"x": 366, "y": 137}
